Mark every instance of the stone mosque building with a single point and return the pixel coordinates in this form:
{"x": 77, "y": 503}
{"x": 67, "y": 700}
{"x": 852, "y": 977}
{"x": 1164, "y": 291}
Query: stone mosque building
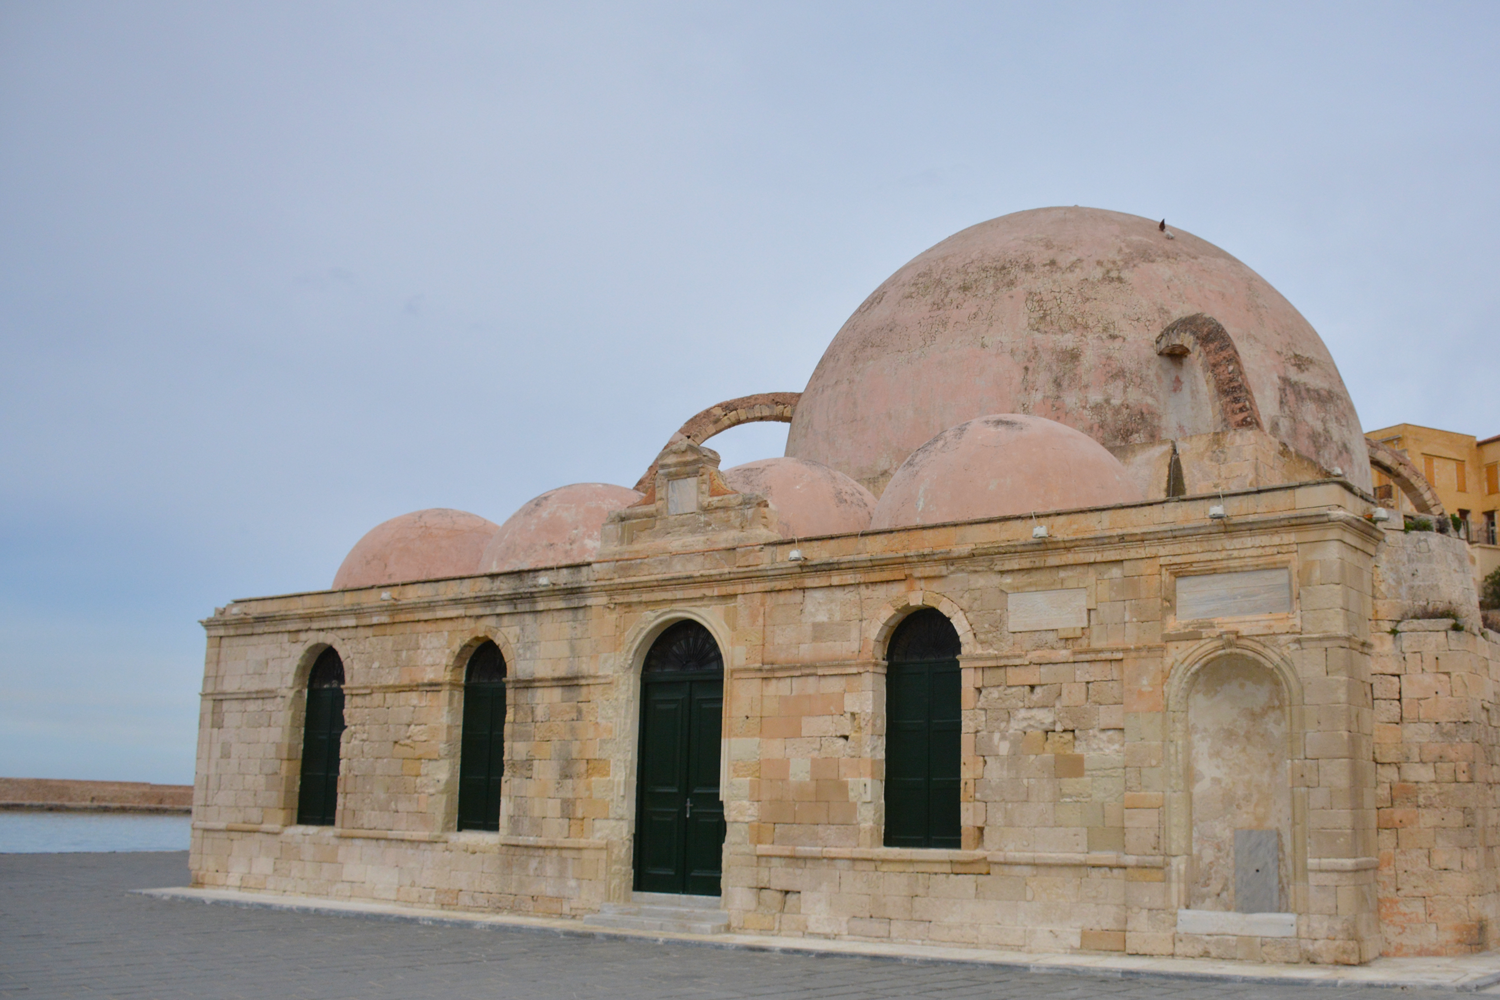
{"x": 1067, "y": 623}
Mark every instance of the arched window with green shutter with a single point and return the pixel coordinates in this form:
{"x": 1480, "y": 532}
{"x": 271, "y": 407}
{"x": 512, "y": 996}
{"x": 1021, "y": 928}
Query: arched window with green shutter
{"x": 482, "y": 755}
{"x": 318, "y": 792}
{"x": 923, "y": 729}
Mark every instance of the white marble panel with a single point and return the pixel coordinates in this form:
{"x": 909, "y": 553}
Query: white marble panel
{"x": 1228, "y": 595}
{"x": 1036, "y": 610}
{"x": 1238, "y": 924}
{"x": 682, "y": 495}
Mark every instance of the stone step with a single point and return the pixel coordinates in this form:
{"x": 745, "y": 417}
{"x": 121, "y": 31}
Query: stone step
{"x": 713, "y": 904}
{"x": 655, "y": 911}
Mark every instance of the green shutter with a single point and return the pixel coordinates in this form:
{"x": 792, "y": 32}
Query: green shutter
{"x": 924, "y": 727}
{"x": 318, "y": 791}
{"x": 481, "y": 765}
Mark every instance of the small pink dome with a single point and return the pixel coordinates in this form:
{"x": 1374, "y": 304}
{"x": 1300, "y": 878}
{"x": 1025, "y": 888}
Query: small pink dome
{"x": 810, "y": 499}
{"x": 557, "y": 528}
{"x": 424, "y": 545}
{"x": 1001, "y": 465}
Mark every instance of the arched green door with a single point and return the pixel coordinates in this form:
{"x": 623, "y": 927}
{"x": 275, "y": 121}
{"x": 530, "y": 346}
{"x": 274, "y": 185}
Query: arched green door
{"x": 679, "y": 835}
{"x": 923, "y": 733}
{"x": 318, "y": 792}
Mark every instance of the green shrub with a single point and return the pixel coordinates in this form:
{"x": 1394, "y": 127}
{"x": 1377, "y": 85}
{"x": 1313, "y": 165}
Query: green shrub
{"x": 1489, "y": 592}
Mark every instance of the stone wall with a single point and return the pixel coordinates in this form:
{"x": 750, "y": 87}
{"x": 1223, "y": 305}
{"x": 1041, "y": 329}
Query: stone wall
{"x": 1434, "y": 751}
{"x": 1086, "y": 819}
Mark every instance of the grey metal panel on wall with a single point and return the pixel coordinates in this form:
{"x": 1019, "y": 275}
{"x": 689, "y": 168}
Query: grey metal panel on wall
{"x": 1257, "y": 871}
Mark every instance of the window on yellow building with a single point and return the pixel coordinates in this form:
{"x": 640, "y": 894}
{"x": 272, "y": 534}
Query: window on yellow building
{"x": 1429, "y": 469}
{"x": 1461, "y": 475}
{"x": 1492, "y": 478}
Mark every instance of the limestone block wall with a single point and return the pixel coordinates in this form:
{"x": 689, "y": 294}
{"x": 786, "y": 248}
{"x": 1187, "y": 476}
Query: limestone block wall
{"x": 395, "y": 837}
{"x": 1092, "y": 662}
{"x": 1071, "y": 757}
{"x": 1435, "y": 748}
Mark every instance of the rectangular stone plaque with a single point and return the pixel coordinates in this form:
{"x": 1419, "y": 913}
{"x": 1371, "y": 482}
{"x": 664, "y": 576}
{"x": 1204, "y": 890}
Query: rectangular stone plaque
{"x": 1257, "y": 871}
{"x": 1035, "y": 610}
{"x": 1226, "y": 595}
{"x": 682, "y": 495}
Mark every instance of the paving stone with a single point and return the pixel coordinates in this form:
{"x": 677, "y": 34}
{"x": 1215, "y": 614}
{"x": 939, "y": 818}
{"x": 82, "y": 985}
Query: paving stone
{"x": 70, "y": 927}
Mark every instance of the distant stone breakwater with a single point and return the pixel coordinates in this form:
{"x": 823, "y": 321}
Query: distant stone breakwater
{"x": 55, "y": 794}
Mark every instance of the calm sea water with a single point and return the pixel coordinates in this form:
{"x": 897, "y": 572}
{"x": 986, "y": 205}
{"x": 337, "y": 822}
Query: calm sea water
{"x": 45, "y": 832}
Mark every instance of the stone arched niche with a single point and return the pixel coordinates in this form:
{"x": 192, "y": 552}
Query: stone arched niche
{"x": 1238, "y": 777}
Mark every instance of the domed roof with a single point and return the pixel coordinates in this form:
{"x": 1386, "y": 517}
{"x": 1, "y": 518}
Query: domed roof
{"x": 1055, "y": 312}
{"x": 1000, "y": 465}
{"x": 557, "y": 528}
{"x": 423, "y": 545}
{"x": 810, "y": 499}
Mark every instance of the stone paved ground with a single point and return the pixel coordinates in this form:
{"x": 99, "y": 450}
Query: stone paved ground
{"x": 70, "y": 928}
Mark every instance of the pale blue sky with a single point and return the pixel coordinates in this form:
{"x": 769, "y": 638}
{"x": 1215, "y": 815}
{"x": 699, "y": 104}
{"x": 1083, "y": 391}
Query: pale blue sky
{"x": 271, "y": 273}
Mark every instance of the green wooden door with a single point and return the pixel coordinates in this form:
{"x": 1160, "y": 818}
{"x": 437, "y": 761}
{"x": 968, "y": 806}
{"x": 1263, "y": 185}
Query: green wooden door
{"x": 318, "y": 792}
{"x": 680, "y": 817}
{"x": 923, "y": 734}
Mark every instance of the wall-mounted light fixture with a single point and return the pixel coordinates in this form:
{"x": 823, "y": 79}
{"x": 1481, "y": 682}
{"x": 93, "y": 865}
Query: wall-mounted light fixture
{"x": 795, "y": 556}
{"x": 1216, "y": 512}
{"x": 1039, "y": 531}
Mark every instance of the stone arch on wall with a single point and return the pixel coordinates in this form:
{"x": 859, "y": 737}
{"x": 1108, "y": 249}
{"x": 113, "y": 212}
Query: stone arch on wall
{"x": 774, "y": 407}
{"x": 883, "y": 623}
{"x": 320, "y": 771}
{"x": 637, "y": 641}
{"x": 1406, "y": 477}
{"x": 458, "y": 658}
{"x": 634, "y": 645}
{"x": 294, "y": 716}
{"x": 879, "y": 627}
{"x": 1233, "y": 721}
{"x": 455, "y": 689}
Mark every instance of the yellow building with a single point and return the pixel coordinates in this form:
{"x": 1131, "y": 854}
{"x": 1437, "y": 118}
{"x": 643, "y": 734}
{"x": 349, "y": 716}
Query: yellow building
{"x": 1463, "y": 472}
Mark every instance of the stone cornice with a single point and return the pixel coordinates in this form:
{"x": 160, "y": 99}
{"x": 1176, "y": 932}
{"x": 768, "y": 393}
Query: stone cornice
{"x": 837, "y": 570}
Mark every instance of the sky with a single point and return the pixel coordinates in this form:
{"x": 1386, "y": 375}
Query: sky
{"x": 274, "y": 272}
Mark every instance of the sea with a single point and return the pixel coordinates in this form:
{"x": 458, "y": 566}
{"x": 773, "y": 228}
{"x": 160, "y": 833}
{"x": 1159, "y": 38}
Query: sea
{"x": 39, "y": 832}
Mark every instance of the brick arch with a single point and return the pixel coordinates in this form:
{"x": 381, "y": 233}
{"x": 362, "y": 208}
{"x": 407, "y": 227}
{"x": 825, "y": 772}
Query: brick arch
{"x": 1221, "y": 359}
{"x": 774, "y": 407}
{"x": 1405, "y": 475}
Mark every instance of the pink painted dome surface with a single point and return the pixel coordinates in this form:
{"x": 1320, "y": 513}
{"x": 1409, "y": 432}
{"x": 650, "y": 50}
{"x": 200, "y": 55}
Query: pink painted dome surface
{"x": 423, "y": 545}
{"x": 1001, "y": 465}
{"x": 810, "y": 499}
{"x": 1054, "y": 312}
{"x": 555, "y": 529}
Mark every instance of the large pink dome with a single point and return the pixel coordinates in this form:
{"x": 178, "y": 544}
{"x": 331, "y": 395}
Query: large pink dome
{"x": 1055, "y": 312}
{"x": 1001, "y": 465}
{"x": 555, "y": 529}
{"x": 424, "y": 545}
{"x": 810, "y": 499}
